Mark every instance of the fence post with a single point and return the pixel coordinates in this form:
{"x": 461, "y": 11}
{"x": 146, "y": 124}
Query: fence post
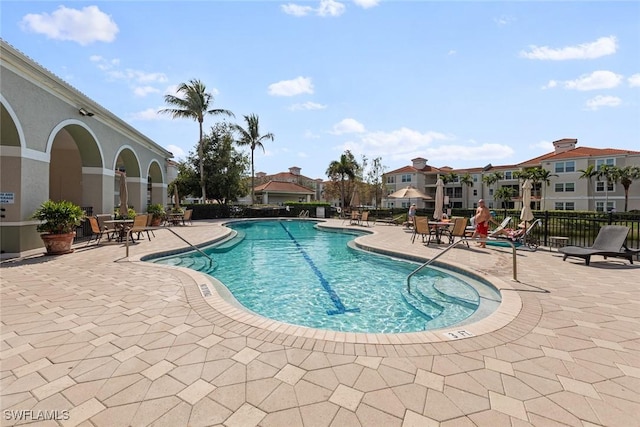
{"x": 610, "y": 217}
{"x": 546, "y": 227}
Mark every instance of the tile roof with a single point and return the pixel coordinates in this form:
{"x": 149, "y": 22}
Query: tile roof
{"x": 283, "y": 187}
{"x": 579, "y": 152}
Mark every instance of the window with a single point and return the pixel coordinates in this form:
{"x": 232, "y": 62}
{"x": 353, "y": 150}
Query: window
{"x": 391, "y": 179}
{"x": 565, "y": 206}
{"x": 565, "y": 187}
{"x": 406, "y": 178}
{"x": 608, "y": 162}
{"x": 600, "y": 206}
{"x": 491, "y": 191}
{"x": 568, "y": 166}
{"x": 507, "y": 175}
{"x": 475, "y": 178}
{"x": 600, "y": 186}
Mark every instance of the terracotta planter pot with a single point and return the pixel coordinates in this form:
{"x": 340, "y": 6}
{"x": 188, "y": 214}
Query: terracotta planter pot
{"x": 58, "y": 244}
{"x": 156, "y": 221}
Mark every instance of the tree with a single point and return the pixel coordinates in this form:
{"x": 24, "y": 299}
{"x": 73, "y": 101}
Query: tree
{"x": 466, "y": 180}
{"x": 608, "y": 174}
{"x": 626, "y": 176}
{"x": 493, "y": 178}
{"x": 589, "y": 173}
{"x": 504, "y": 194}
{"x": 341, "y": 170}
{"x": 544, "y": 177}
{"x": 374, "y": 179}
{"x": 193, "y": 102}
{"x": 225, "y": 166}
{"x": 251, "y": 137}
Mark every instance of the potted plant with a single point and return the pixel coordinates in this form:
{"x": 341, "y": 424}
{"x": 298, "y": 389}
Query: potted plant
{"x": 157, "y": 213}
{"x": 58, "y": 225}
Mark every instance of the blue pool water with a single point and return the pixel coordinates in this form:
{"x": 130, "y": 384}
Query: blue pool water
{"x": 293, "y": 272}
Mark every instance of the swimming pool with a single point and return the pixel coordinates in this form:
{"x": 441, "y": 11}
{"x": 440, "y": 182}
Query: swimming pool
{"x": 291, "y": 271}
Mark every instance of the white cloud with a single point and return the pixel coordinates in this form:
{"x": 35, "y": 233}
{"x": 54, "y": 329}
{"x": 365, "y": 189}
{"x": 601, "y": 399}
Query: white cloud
{"x": 296, "y": 10}
{"x": 504, "y": 20}
{"x": 103, "y": 63}
{"x": 330, "y": 8}
{"x": 326, "y": 8}
{"x": 404, "y": 143}
{"x": 551, "y": 84}
{"x": 451, "y": 52}
{"x": 546, "y": 146}
{"x": 150, "y": 114}
{"x": 634, "y": 80}
{"x": 599, "y": 101}
{"x": 291, "y": 87}
{"x": 137, "y": 76}
{"x": 178, "y": 152}
{"x": 307, "y": 106}
{"x": 366, "y": 4}
{"x": 310, "y": 135}
{"x": 347, "y": 126}
{"x": 83, "y": 26}
{"x": 144, "y": 90}
{"x": 601, "y": 47}
{"x": 594, "y": 81}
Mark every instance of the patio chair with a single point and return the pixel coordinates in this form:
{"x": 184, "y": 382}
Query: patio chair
{"x": 140, "y": 226}
{"x": 421, "y": 227}
{"x": 365, "y": 218}
{"x": 110, "y": 228}
{"x": 187, "y": 217}
{"x": 96, "y": 232}
{"x": 355, "y": 218}
{"x": 609, "y": 243}
{"x": 150, "y": 222}
{"x": 518, "y": 238}
{"x": 458, "y": 229}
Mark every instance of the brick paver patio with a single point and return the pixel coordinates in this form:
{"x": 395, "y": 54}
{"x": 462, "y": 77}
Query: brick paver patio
{"x": 97, "y": 339}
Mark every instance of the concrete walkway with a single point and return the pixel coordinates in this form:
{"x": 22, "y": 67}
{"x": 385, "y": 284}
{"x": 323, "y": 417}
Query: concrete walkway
{"x": 96, "y": 339}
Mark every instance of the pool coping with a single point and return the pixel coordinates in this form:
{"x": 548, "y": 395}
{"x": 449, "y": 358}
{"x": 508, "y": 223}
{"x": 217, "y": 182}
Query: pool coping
{"x": 514, "y": 318}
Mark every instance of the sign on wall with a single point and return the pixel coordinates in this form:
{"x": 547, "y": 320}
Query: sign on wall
{"x": 7, "y": 198}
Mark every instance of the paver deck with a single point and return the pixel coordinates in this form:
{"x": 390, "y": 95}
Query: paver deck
{"x": 97, "y": 339}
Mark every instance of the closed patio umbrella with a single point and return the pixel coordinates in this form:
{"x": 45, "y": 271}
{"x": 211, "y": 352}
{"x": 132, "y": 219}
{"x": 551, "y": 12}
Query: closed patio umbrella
{"x": 438, "y": 212}
{"x": 124, "y": 196}
{"x": 176, "y": 199}
{"x": 526, "y": 214}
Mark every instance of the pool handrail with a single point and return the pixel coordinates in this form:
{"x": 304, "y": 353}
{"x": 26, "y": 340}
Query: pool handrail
{"x": 454, "y": 244}
{"x": 211, "y": 261}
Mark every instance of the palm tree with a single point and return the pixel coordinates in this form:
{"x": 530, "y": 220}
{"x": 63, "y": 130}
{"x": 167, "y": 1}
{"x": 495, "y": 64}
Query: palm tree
{"x": 609, "y": 174}
{"x": 543, "y": 176}
{"x": 467, "y": 180}
{"x": 626, "y": 176}
{"x": 505, "y": 194}
{"x": 251, "y": 137}
{"x": 493, "y": 178}
{"x": 589, "y": 173}
{"x": 192, "y": 102}
{"x": 346, "y": 167}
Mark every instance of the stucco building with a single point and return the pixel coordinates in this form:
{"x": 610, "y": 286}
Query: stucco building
{"x": 56, "y": 143}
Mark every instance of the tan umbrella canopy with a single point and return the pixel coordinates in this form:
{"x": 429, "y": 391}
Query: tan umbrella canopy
{"x": 439, "y": 211}
{"x": 355, "y": 199}
{"x": 409, "y": 193}
{"x": 176, "y": 199}
{"x": 526, "y": 215}
{"x": 124, "y": 196}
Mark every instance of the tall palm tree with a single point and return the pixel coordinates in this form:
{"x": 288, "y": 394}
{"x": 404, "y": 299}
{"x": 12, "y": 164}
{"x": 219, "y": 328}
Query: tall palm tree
{"x": 626, "y": 176}
{"x": 492, "y": 179}
{"x": 346, "y": 167}
{"x": 544, "y": 177}
{"x": 192, "y": 102}
{"x": 607, "y": 173}
{"x": 467, "y": 180}
{"x": 251, "y": 137}
{"x": 589, "y": 173}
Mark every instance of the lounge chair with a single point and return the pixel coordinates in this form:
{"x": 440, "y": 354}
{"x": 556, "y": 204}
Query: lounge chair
{"x": 519, "y": 239}
{"x": 499, "y": 228}
{"x": 393, "y": 220}
{"x": 609, "y": 243}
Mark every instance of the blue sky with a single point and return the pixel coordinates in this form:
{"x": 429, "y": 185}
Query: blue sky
{"x": 462, "y": 84}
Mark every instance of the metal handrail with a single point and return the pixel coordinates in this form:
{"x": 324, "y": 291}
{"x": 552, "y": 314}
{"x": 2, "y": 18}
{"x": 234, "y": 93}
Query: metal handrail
{"x": 129, "y": 231}
{"x": 513, "y": 247}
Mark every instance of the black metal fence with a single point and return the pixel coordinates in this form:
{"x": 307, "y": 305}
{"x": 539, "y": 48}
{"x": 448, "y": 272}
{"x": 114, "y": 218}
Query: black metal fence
{"x": 83, "y": 232}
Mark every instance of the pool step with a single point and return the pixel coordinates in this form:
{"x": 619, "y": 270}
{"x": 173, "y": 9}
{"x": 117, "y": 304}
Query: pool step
{"x": 229, "y": 244}
{"x": 455, "y": 292}
{"x": 422, "y": 304}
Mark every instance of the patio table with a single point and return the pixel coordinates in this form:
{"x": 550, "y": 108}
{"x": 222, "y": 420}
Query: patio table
{"x": 121, "y": 226}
